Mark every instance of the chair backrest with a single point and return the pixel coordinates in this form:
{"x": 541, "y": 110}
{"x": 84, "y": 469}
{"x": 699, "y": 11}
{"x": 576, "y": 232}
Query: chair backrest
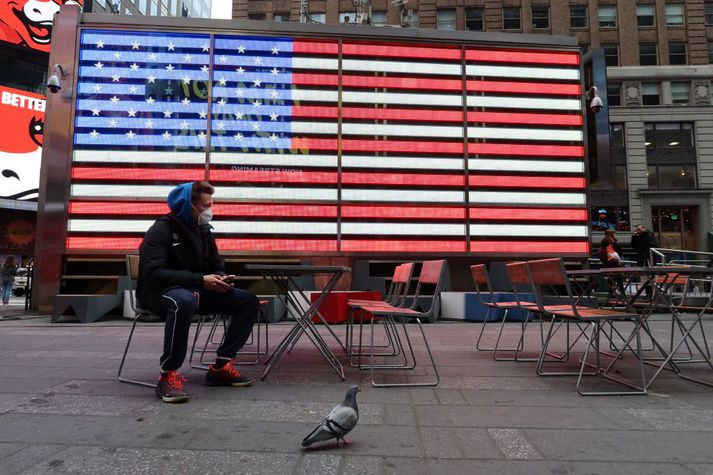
{"x": 403, "y": 282}
{"x": 519, "y": 279}
{"x": 517, "y": 272}
{"x": 391, "y": 293}
{"x": 132, "y": 271}
{"x": 432, "y": 273}
{"x": 479, "y": 272}
{"x": 132, "y": 266}
{"x": 671, "y": 278}
{"x": 550, "y": 273}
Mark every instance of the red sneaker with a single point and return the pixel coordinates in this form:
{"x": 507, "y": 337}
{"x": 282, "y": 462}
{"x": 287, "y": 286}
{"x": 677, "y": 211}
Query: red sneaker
{"x": 170, "y": 387}
{"x": 227, "y": 376}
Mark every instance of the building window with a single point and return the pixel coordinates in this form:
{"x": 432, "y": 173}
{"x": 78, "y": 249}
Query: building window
{"x": 446, "y": 19}
{"x": 511, "y": 18}
{"x": 540, "y": 17}
{"x": 650, "y": 93}
{"x": 615, "y": 218}
{"x": 647, "y": 54}
{"x": 645, "y": 15}
{"x": 378, "y": 18}
{"x": 614, "y": 93}
{"x": 347, "y": 18}
{"x": 667, "y": 177}
{"x": 667, "y": 135}
{"x": 611, "y": 54}
{"x": 708, "y": 5}
{"x": 607, "y": 16}
{"x": 318, "y": 17}
{"x": 578, "y": 16}
{"x": 677, "y": 52}
{"x": 256, "y": 16}
{"x": 141, "y": 5}
{"x": 680, "y": 93}
{"x": 673, "y": 139}
{"x": 617, "y": 135}
{"x": 281, "y": 17}
{"x": 410, "y": 20}
{"x": 674, "y": 14}
{"x": 474, "y": 19}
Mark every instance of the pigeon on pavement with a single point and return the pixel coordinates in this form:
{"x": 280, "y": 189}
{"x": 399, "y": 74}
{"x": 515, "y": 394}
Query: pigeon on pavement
{"x": 338, "y": 423}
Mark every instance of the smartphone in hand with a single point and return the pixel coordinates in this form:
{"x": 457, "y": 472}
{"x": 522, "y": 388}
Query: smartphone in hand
{"x": 230, "y": 279}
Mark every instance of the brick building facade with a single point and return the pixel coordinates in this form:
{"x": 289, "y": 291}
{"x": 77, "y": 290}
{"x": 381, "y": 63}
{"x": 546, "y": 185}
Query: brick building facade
{"x": 659, "y": 71}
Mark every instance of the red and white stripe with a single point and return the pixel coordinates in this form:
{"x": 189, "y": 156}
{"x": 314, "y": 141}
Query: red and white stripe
{"x": 402, "y": 178}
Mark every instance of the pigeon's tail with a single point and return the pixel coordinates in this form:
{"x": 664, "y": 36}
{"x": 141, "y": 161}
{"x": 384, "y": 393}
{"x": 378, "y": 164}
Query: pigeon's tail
{"x": 311, "y": 437}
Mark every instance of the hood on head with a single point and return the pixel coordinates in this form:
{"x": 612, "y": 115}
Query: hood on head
{"x": 179, "y": 200}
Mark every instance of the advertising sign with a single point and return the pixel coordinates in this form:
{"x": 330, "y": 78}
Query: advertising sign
{"x": 22, "y": 115}
{"x": 315, "y": 146}
{"x": 28, "y": 23}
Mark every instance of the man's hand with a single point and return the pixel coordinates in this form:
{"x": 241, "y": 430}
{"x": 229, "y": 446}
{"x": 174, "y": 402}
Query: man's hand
{"x": 215, "y": 283}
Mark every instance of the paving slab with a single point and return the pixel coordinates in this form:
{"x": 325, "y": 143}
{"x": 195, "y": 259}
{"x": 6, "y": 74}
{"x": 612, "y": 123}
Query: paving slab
{"x": 119, "y": 461}
{"x": 62, "y": 410}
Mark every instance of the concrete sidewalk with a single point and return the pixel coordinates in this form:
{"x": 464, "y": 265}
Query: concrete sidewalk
{"x": 62, "y": 410}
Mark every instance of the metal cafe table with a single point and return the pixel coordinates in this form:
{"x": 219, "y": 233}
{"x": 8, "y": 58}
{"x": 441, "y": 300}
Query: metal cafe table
{"x": 661, "y": 279}
{"x": 294, "y": 297}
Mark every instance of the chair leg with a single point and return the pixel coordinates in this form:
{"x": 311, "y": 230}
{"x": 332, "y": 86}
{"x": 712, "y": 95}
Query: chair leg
{"x": 636, "y": 390}
{"x": 393, "y": 341}
{"x": 541, "y": 361}
{"x": 482, "y": 329}
{"x": 199, "y": 328}
{"x": 516, "y": 350}
{"x": 390, "y": 328}
{"x": 123, "y": 360}
{"x": 430, "y": 355}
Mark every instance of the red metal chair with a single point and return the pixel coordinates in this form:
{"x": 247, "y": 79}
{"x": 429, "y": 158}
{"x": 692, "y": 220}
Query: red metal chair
{"x": 481, "y": 279}
{"x": 551, "y": 273}
{"x": 396, "y": 297}
{"x": 432, "y": 274}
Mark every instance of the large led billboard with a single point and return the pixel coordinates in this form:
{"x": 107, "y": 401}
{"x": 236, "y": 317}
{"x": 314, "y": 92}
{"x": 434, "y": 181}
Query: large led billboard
{"x": 22, "y": 117}
{"x": 327, "y": 145}
{"x": 28, "y": 23}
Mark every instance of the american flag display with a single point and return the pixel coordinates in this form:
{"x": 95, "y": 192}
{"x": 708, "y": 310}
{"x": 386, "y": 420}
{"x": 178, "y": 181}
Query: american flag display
{"x": 320, "y": 145}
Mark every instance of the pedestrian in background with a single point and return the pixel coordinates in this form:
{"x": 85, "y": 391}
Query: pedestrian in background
{"x": 8, "y": 272}
{"x": 642, "y": 241}
{"x": 610, "y": 250}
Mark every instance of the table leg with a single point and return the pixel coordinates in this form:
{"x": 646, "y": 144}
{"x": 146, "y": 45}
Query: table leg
{"x": 305, "y": 326}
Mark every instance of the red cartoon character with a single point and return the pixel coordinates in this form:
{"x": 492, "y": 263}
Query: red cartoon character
{"x": 28, "y": 22}
{"x": 22, "y": 115}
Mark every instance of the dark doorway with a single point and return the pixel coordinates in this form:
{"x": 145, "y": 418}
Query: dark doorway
{"x": 675, "y": 226}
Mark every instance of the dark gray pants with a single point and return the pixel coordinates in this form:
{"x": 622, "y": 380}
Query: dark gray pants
{"x": 179, "y": 306}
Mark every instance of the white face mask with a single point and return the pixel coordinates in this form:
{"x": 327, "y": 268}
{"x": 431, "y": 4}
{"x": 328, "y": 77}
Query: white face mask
{"x": 204, "y": 216}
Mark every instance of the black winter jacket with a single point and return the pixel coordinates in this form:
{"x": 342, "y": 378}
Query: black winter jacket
{"x": 173, "y": 255}
{"x": 641, "y": 244}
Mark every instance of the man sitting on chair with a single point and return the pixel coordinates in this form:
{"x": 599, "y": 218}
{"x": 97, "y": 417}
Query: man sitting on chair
{"x": 180, "y": 274}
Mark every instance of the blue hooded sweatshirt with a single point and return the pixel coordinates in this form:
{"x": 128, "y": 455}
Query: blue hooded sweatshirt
{"x": 179, "y": 200}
